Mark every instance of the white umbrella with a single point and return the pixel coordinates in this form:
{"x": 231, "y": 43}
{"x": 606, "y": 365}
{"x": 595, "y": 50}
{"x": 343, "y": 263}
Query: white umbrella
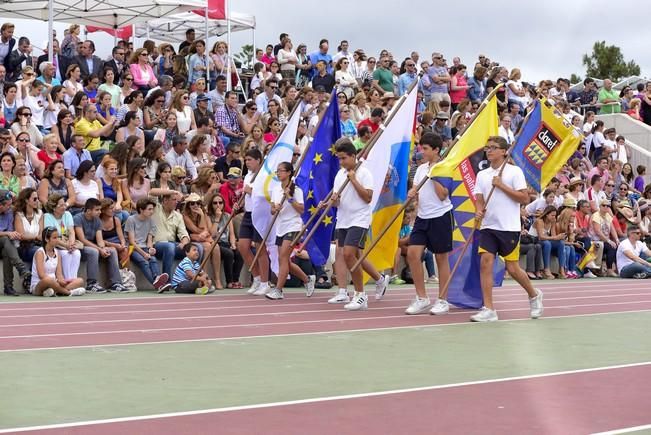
{"x": 101, "y": 13}
{"x": 172, "y": 27}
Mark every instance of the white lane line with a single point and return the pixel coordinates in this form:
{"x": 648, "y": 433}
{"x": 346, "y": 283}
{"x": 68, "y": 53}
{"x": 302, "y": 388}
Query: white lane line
{"x": 267, "y": 313}
{"x": 625, "y": 430}
{"x": 294, "y": 334}
{"x": 303, "y": 322}
{"x": 330, "y": 398}
{"x": 191, "y": 299}
{"x": 292, "y": 299}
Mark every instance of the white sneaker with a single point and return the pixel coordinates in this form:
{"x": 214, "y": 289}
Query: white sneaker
{"x": 432, "y": 280}
{"x": 381, "y": 287}
{"x": 418, "y": 306}
{"x": 441, "y": 306}
{"x": 359, "y": 302}
{"x": 484, "y": 315}
{"x": 589, "y": 274}
{"x": 536, "y": 305}
{"x": 78, "y": 291}
{"x": 309, "y": 285}
{"x": 275, "y": 294}
{"x": 262, "y": 290}
{"x": 340, "y": 297}
{"x": 48, "y": 293}
{"x": 254, "y": 288}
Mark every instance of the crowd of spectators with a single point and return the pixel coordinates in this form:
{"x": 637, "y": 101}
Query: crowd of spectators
{"x": 95, "y": 145}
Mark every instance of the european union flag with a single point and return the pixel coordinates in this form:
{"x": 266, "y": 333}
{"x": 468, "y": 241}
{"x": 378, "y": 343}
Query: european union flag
{"x": 316, "y": 178}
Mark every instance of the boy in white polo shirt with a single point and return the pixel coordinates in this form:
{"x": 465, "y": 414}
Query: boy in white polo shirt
{"x": 432, "y": 229}
{"x": 353, "y": 221}
{"x": 499, "y": 233}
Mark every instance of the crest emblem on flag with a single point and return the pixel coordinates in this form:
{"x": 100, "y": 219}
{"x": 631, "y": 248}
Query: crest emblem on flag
{"x": 541, "y": 146}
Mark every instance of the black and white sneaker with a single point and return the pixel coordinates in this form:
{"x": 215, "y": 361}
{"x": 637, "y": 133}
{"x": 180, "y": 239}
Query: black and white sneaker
{"x": 164, "y": 288}
{"x": 95, "y": 288}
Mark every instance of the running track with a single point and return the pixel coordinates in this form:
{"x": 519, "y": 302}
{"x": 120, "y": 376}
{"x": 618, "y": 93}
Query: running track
{"x": 573, "y": 402}
{"x": 565, "y": 403}
{"x": 101, "y": 322}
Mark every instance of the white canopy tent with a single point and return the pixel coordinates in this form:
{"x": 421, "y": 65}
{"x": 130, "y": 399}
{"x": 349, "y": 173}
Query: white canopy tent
{"x": 172, "y": 28}
{"x": 101, "y": 13}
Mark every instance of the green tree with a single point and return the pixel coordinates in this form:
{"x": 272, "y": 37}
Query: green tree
{"x": 575, "y": 78}
{"x": 245, "y": 57}
{"x": 607, "y": 62}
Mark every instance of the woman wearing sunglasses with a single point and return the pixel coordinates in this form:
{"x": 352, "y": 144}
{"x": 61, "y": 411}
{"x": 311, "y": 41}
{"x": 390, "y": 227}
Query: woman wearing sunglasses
{"x": 230, "y": 257}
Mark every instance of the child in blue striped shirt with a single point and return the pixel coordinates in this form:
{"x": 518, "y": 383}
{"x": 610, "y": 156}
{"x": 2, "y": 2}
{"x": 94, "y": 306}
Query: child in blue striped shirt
{"x": 183, "y": 282}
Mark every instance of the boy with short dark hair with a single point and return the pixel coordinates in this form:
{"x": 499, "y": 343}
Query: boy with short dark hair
{"x": 140, "y": 230}
{"x": 88, "y": 229}
{"x": 188, "y": 268}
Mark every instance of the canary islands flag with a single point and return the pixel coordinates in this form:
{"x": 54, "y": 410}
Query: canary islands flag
{"x": 316, "y": 178}
{"x": 266, "y": 181}
{"x": 545, "y": 143}
{"x": 458, "y": 172}
{"x": 388, "y": 161}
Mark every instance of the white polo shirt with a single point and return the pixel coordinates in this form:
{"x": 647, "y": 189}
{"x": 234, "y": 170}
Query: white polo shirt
{"x": 502, "y": 213}
{"x": 288, "y": 218}
{"x": 429, "y": 204}
{"x": 352, "y": 210}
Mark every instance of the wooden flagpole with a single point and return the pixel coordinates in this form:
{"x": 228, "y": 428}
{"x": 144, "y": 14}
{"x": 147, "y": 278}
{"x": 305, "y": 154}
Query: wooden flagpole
{"x": 282, "y": 201}
{"x": 422, "y": 183}
{"x": 364, "y": 152}
{"x": 240, "y": 202}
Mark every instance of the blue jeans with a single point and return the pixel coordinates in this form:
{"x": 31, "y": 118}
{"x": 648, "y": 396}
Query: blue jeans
{"x": 149, "y": 267}
{"x": 98, "y": 155}
{"x": 167, "y": 252}
{"x": 570, "y": 258}
{"x": 428, "y": 258}
{"x": 547, "y": 246}
{"x": 92, "y": 258}
{"x": 633, "y": 268}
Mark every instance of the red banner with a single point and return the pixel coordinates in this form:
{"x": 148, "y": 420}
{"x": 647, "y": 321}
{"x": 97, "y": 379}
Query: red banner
{"x": 122, "y": 33}
{"x": 216, "y": 10}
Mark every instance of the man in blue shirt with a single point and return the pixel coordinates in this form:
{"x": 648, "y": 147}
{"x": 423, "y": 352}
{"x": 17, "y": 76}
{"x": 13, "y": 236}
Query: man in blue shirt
{"x": 323, "y": 55}
{"x": 76, "y": 154}
{"x": 8, "y": 251}
{"x": 405, "y": 80}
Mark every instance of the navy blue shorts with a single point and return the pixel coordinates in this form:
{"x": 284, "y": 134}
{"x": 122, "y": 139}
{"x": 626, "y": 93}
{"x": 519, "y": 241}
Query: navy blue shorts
{"x": 247, "y": 230}
{"x": 435, "y": 233}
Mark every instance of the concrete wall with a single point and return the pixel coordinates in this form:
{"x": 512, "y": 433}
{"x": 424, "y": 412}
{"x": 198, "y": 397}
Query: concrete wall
{"x": 638, "y": 138}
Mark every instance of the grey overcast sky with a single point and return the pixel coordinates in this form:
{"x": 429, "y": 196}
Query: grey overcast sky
{"x": 545, "y": 39}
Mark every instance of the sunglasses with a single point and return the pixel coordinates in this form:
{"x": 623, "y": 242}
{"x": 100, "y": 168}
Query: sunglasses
{"x": 160, "y": 101}
{"x": 25, "y": 114}
{"x": 192, "y": 203}
{"x": 128, "y": 79}
{"x": 23, "y": 140}
{"x": 217, "y": 202}
{"x": 610, "y": 185}
{"x": 144, "y": 54}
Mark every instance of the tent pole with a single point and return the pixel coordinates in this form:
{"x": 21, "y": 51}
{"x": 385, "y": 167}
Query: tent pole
{"x": 50, "y": 28}
{"x": 253, "y": 52}
{"x": 229, "y": 82}
{"x": 206, "y": 52}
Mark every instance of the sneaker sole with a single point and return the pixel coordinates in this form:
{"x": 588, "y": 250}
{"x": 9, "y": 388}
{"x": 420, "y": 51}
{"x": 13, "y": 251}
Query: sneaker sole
{"x": 421, "y": 311}
{"x": 343, "y": 301}
{"x": 362, "y": 308}
{"x": 435, "y": 313}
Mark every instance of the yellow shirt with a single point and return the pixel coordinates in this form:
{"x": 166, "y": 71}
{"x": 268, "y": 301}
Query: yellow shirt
{"x": 82, "y": 127}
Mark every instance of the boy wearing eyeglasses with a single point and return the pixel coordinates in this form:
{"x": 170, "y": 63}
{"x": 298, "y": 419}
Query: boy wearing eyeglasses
{"x": 499, "y": 231}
